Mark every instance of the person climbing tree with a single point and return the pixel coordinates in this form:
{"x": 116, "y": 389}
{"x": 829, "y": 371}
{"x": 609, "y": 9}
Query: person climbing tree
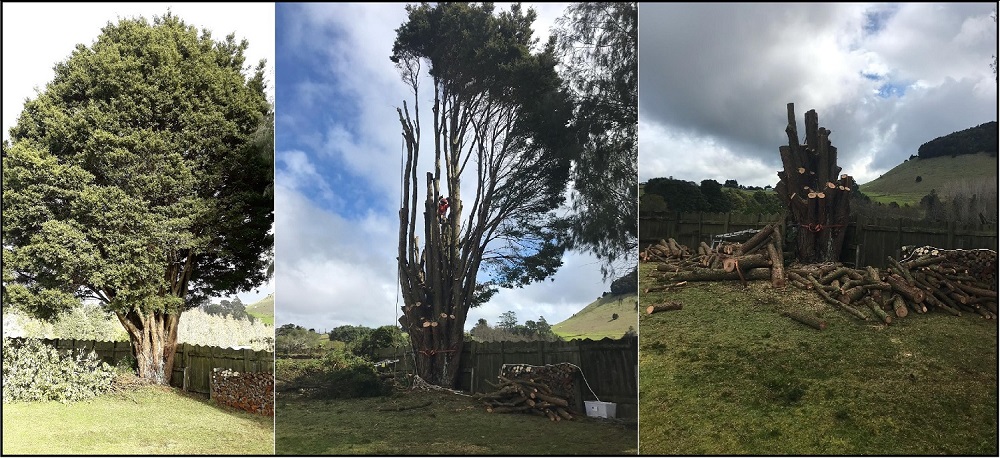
{"x": 442, "y": 210}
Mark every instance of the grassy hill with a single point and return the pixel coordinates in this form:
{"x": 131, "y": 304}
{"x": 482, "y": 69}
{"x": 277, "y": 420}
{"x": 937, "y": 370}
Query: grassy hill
{"x": 594, "y": 321}
{"x": 263, "y": 309}
{"x": 900, "y": 184}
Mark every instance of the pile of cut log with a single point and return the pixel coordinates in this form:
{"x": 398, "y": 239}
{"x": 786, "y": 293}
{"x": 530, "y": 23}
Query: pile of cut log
{"x": 540, "y": 390}
{"x": 249, "y": 391}
{"x": 759, "y": 258}
{"x": 950, "y": 281}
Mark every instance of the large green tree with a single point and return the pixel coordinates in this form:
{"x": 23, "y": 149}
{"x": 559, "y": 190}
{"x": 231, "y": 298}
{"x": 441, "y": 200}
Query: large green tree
{"x": 598, "y": 42}
{"x": 140, "y": 177}
{"x": 500, "y": 116}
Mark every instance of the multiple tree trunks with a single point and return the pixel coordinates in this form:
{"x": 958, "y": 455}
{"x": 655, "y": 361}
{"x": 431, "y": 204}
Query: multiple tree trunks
{"x": 249, "y": 391}
{"x": 949, "y": 281}
{"x": 759, "y": 258}
{"x": 540, "y": 390}
{"x": 814, "y": 191}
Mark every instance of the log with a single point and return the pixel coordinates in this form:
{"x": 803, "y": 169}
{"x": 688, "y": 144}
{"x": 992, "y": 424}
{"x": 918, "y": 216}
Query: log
{"x": 899, "y": 306}
{"x": 701, "y": 274}
{"x": 552, "y": 400}
{"x": 756, "y": 241}
{"x": 900, "y": 285}
{"x": 777, "y": 264}
{"x": 746, "y": 262}
{"x": 809, "y": 320}
{"x": 663, "y": 307}
{"x": 877, "y": 310}
{"x": 826, "y": 297}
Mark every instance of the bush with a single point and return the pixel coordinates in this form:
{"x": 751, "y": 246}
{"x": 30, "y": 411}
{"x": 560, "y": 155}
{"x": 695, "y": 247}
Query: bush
{"x": 338, "y": 374}
{"x": 33, "y": 371}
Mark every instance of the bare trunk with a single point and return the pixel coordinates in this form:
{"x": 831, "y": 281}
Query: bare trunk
{"x": 154, "y": 341}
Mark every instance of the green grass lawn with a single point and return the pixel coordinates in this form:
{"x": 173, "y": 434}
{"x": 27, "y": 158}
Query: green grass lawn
{"x": 150, "y": 421}
{"x": 450, "y": 425}
{"x": 263, "y": 310}
{"x": 594, "y": 321}
{"x": 729, "y": 375}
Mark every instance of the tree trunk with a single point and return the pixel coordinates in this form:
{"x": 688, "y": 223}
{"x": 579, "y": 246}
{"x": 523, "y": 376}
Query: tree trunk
{"x": 154, "y": 341}
{"x": 817, "y": 200}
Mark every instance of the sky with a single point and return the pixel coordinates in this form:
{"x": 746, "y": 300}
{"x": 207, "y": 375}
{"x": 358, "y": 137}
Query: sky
{"x": 338, "y": 155}
{"x": 714, "y": 81}
{"x": 38, "y": 35}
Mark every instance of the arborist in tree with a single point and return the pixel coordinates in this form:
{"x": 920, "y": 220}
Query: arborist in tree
{"x": 443, "y": 209}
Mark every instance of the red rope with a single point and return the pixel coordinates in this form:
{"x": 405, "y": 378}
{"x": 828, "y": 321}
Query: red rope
{"x": 818, "y": 227}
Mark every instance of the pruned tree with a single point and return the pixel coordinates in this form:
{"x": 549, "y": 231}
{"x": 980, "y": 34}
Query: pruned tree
{"x": 501, "y": 117}
{"x": 139, "y": 177}
{"x": 813, "y": 191}
{"x": 598, "y": 42}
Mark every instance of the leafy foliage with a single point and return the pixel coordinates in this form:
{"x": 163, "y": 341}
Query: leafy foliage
{"x": 982, "y": 138}
{"x": 680, "y": 195}
{"x": 381, "y": 337}
{"x": 507, "y": 330}
{"x": 500, "y": 109}
{"x": 232, "y": 308}
{"x": 33, "y": 371}
{"x": 338, "y": 374}
{"x": 598, "y": 42}
{"x": 140, "y": 177}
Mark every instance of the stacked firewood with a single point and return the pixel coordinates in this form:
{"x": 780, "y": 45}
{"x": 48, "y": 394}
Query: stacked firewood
{"x": 249, "y": 391}
{"x": 943, "y": 280}
{"x": 540, "y": 390}
{"x": 759, "y": 258}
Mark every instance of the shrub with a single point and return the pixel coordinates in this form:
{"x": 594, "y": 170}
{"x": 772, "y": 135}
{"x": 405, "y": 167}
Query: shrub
{"x": 338, "y": 374}
{"x": 33, "y": 371}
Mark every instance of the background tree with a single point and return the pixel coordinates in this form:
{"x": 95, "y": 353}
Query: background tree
{"x": 498, "y": 109}
{"x": 680, "y": 195}
{"x": 717, "y": 201}
{"x": 508, "y": 320}
{"x": 598, "y": 42}
{"x": 139, "y": 177}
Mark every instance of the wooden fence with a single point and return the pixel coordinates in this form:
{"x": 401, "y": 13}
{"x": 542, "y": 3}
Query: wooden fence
{"x": 609, "y": 367}
{"x": 868, "y": 241}
{"x": 193, "y": 364}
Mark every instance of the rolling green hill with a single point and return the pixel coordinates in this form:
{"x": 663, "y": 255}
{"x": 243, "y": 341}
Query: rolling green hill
{"x": 263, "y": 309}
{"x": 900, "y": 184}
{"x": 594, "y": 321}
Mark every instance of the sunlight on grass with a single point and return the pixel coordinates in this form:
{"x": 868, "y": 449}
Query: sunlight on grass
{"x": 152, "y": 421}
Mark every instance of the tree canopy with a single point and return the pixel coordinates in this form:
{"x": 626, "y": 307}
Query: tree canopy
{"x": 599, "y": 44}
{"x": 141, "y": 177}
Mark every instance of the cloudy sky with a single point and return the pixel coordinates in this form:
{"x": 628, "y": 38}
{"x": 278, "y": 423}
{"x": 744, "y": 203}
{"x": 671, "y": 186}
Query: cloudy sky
{"x": 337, "y": 162}
{"x": 38, "y": 35}
{"x": 884, "y": 78}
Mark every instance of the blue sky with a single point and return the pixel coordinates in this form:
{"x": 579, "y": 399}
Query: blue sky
{"x": 337, "y": 163}
{"x": 714, "y": 80}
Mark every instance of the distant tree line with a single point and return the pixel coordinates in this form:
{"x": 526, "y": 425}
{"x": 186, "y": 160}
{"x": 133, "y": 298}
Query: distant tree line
{"x": 229, "y": 308}
{"x": 979, "y": 139}
{"x": 669, "y": 194}
{"x": 508, "y": 330}
{"x": 360, "y": 341}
